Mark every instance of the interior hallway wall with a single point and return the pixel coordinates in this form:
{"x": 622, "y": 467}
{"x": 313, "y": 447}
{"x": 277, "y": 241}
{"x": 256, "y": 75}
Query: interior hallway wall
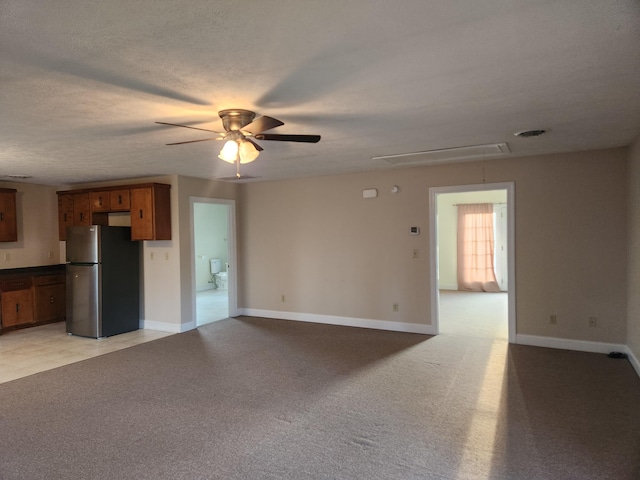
{"x": 633, "y": 283}
{"x": 331, "y": 252}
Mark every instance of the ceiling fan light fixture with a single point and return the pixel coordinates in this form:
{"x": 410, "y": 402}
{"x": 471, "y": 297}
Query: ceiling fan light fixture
{"x": 248, "y": 152}
{"x": 229, "y": 152}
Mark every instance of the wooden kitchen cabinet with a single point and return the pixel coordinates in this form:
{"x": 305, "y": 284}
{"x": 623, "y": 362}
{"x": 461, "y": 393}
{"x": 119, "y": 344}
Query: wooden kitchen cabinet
{"x": 17, "y": 302}
{"x": 81, "y": 209}
{"x": 100, "y": 201}
{"x": 148, "y": 204}
{"x": 120, "y": 200}
{"x": 8, "y": 216}
{"x": 65, "y": 214}
{"x": 49, "y": 298}
{"x": 151, "y": 213}
{"x": 75, "y": 208}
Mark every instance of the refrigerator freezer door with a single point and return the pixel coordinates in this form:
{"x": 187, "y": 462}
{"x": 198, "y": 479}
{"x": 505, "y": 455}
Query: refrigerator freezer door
{"x": 83, "y": 244}
{"x": 83, "y": 300}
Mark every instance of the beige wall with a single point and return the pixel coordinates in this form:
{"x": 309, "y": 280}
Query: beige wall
{"x": 37, "y": 215}
{"x": 633, "y": 283}
{"x": 331, "y": 252}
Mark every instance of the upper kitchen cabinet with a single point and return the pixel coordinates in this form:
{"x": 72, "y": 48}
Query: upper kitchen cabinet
{"x": 8, "y": 217}
{"x": 81, "y": 209}
{"x": 148, "y": 205}
{"x": 151, "y": 212}
{"x": 100, "y": 201}
{"x": 65, "y": 213}
{"x": 120, "y": 200}
{"x": 74, "y": 208}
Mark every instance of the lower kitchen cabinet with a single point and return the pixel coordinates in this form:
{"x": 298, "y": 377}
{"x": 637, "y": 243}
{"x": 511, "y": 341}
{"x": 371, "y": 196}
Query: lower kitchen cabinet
{"x": 49, "y": 299}
{"x": 32, "y": 300}
{"x": 17, "y": 305}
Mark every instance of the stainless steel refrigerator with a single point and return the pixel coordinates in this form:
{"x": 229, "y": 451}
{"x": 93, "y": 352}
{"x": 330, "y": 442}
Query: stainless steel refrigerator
{"x": 103, "y": 281}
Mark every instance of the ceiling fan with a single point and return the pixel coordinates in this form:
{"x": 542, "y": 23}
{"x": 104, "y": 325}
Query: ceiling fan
{"x": 240, "y": 130}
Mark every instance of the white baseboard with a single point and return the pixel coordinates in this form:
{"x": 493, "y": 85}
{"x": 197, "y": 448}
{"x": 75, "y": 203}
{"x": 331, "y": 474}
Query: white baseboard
{"x": 342, "y": 321}
{"x": 167, "y": 327}
{"x": 568, "y": 344}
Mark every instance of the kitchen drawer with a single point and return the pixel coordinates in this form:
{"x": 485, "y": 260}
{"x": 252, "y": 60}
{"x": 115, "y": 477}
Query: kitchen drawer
{"x": 49, "y": 279}
{"x": 21, "y": 283}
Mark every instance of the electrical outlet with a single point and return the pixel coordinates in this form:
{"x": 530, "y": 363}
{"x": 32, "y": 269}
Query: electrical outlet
{"x": 151, "y": 255}
{"x": 395, "y": 307}
{"x": 416, "y": 253}
{"x": 553, "y": 319}
{"x": 593, "y": 322}
{"x": 7, "y": 256}
{"x": 283, "y": 298}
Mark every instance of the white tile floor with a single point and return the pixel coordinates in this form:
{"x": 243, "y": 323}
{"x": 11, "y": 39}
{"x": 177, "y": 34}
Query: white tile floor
{"x": 36, "y": 349}
{"x": 211, "y": 305}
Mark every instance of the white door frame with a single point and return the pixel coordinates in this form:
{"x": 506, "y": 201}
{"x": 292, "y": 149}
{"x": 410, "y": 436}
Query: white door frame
{"x": 511, "y": 248}
{"x": 232, "y": 277}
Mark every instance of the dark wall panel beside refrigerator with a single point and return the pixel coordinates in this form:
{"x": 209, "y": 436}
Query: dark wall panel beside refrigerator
{"x": 103, "y": 281}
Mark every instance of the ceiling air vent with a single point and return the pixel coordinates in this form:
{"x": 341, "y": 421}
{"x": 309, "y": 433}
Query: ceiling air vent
{"x": 530, "y": 133}
{"x": 430, "y": 157}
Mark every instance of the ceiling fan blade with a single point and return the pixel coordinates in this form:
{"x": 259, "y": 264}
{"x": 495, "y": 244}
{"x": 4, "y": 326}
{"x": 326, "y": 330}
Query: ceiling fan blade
{"x": 261, "y": 124}
{"x": 288, "y": 138}
{"x": 258, "y": 147}
{"x": 194, "y": 141}
{"x": 186, "y": 126}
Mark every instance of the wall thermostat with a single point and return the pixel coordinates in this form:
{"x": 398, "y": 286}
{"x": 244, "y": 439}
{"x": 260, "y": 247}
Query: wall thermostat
{"x": 414, "y": 230}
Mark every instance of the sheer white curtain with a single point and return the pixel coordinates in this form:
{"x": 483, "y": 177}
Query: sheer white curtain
{"x": 476, "y": 248}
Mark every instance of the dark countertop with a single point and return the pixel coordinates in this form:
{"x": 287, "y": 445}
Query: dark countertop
{"x": 9, "y": 273}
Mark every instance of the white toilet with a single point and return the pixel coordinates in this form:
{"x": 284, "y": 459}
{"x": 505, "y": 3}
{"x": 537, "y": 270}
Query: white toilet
{"x": 219, "y": 277}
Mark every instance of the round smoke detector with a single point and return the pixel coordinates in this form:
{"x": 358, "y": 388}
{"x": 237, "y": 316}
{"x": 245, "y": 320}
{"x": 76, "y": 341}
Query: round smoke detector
{"x": 530, "y": 133}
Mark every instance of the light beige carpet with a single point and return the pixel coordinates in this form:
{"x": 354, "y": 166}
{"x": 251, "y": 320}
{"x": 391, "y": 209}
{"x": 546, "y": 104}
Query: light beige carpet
{"x": 250, "y": 398}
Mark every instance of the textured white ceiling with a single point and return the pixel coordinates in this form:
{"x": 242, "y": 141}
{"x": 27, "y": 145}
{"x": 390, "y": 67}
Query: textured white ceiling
{"x": 82, "y": 82}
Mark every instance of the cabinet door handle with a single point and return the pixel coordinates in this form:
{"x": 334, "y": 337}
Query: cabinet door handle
{"x": 120, "y": 199}
{"x": 51, "y": 300}
{"x": 65, "y": 217}
{"x": 17, "y": 307}
{"x": 1, "y": 216}
{"x": 81, "y": 216}
{"x": 100, "y": 201}
{"x": 140, "y": 213}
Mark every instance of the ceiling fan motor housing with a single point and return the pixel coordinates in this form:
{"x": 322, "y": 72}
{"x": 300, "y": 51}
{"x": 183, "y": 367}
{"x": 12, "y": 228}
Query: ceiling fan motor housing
{"x": 235, "y": 119}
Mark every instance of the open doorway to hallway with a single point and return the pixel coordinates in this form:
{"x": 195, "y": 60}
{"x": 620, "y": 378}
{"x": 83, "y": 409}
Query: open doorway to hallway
{"x": 214, "y": 254}
{"x": 456, "y": 311}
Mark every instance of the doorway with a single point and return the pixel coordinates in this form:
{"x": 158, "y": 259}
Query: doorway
{"x": 213, "y": 259}
{"x": 484, "y": 314}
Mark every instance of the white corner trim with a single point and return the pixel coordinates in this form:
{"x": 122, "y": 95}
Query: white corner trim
{"x": 342, "y": 321}
{"x": 568, "y": 344}
{"x": 167, "y": 327}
